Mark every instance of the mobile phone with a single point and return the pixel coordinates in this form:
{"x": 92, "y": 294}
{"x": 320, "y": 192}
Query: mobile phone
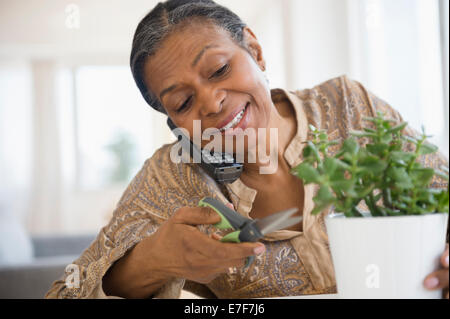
{"x": 222, "y": 167}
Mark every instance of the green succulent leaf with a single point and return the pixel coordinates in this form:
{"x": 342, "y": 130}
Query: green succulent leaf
{"x": 308, "y": 173}
{"x": 402, "y": 158}
{"x": 422, "y": 176}
{"x": 314, "y": 152}
{"x": 323, "y": 137}
{"x": 351, "y": 146}
{"x": 330, "y": 165}
{"x": 307, "y": 151}
{"x": 372, "y": 164}
{"x": 325, "y": 195}
{"x": 378, "y": 149}
{"x": 363, "y": 134}
{"x": 428, "y": 149}
{"x": 398, "y": 128}
{"x": 400, "y": 177}
{"x": 363, "y": 192}
{"x": 342, "y": 186}
{"x": 387, "y": 138}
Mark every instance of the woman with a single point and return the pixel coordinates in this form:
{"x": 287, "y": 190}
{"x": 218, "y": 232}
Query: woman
{"x": 196, "y": 60}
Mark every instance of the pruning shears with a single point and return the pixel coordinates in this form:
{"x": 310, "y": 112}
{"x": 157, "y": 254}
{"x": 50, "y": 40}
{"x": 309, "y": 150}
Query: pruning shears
{"x": 245, "y": 229}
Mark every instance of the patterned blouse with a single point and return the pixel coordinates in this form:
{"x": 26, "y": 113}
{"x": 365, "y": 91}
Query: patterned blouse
{"x": 295, "y": 263}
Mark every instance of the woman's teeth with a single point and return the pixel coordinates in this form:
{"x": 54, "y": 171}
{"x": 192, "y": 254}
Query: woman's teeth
{"x": 234, "y": 122}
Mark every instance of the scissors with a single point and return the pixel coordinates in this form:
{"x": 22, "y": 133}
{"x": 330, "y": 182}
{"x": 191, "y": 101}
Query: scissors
{"x": 245, "y": 229}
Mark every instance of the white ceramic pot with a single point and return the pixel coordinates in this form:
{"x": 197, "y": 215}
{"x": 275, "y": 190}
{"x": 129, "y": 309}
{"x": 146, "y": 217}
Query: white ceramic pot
{"x": 386, "y": 257}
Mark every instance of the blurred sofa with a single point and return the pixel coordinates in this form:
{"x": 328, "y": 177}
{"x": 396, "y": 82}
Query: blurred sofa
{"x": 51, "y": 255}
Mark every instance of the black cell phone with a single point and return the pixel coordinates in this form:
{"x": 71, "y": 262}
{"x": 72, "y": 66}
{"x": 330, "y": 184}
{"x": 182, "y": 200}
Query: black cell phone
{"x": 222, "y": 167}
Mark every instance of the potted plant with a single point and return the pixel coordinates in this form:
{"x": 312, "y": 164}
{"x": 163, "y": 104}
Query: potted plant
{"x": 387, "y": 227}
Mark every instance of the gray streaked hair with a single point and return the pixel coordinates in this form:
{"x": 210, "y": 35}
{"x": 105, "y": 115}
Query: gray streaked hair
{"x": 162, "y": 20}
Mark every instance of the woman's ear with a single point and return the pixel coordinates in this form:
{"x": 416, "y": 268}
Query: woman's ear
{"x": 254, "y": 48}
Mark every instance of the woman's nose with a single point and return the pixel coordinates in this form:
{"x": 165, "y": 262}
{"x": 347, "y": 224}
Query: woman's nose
{"x": 212, "y": 105}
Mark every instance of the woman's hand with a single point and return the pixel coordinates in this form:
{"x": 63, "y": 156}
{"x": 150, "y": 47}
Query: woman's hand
{"x": 177, "y": 250}
{"x": 439, "y": 278}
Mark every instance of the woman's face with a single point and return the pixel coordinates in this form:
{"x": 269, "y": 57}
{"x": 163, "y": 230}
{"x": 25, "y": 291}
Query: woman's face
{"x": 200, "y": 73}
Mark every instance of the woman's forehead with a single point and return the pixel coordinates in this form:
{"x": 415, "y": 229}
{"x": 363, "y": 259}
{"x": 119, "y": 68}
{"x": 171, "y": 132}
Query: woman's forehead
{"x": 191, "y": 38}
{"x": 182, "y": 48}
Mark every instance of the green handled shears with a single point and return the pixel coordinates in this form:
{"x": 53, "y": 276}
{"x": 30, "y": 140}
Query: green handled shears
{"x": 245, "y": 229}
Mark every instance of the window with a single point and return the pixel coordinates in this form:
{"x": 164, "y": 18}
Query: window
{"x": 15, "y": 141}
{"x": 398, "y": 56}
{"x": 106, "y": 133}
{"x": 107, "y": 129}
{"x": 114, "y": 126}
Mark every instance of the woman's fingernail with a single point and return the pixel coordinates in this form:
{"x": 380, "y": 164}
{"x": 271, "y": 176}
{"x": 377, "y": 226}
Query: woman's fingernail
{"x": 259, "y": 250}
{"x": 431, "y": 282}
{"x": 230, "y": 206}
{"x": 446, "y": 260}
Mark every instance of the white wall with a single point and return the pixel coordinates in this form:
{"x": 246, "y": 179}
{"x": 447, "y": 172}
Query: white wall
{"x": 396, "y": 52}
{"x": 39, "y": 29}
{"x": 319, "y": 42}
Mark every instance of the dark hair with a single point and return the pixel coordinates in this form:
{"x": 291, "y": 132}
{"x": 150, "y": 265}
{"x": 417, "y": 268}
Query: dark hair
{"x": 161, "y": 21}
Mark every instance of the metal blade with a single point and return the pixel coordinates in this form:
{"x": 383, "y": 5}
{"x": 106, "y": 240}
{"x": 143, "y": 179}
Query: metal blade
{"x": 277, "y": 221}
{"x": 287, "y": 223}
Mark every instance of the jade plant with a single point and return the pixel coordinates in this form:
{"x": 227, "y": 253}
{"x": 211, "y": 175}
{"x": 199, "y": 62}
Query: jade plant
{"x": 382, "y": 170}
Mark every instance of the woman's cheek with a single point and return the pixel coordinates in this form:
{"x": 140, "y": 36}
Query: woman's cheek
{"x": 251, "y": 79}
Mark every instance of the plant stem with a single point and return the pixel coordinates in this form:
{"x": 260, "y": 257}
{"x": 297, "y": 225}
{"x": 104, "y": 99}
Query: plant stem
{"x": 356, "y": 212}
{"x": 387, "y": 198}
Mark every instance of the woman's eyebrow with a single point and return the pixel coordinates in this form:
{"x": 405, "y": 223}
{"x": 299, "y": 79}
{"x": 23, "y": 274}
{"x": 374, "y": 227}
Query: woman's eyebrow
{"x": 201, "y": 53}
{"x": 165, "y": 91}
{"x": 196, "y": 60}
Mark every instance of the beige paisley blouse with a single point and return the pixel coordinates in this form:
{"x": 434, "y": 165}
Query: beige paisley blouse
{"x": 295, "y": 263}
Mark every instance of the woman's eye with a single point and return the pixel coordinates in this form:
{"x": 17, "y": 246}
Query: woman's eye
{"x": 184, "y": 105}
{"x": 221, "y": 71}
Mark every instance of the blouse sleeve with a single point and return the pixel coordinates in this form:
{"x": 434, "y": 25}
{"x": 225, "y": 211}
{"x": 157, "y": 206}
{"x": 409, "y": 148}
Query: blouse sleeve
{"x": 155, "y": 193}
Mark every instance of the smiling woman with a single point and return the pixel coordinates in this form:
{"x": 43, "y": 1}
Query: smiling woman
{"x": 197, "y": 61}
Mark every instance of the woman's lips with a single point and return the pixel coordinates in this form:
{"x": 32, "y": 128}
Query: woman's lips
{"x": 242, "y": 125}
{"x": 231, "y": 117}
